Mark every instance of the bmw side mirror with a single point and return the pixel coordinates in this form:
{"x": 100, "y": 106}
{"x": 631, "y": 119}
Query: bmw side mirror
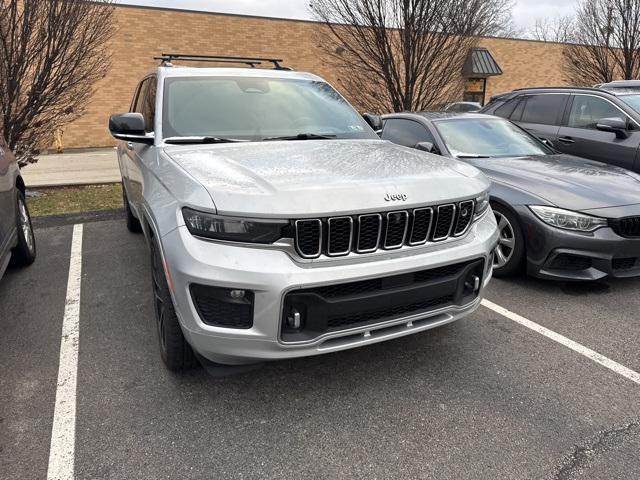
{"x": 374, "y": 121}
{"x": 129, "y": 127}
{"x": 614, "y": 125}
{"x": 427, "y": 147}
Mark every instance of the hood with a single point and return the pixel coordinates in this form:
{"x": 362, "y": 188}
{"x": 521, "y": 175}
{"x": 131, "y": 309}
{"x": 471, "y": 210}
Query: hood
{"x": 315, "y": 178}
{"x": 566, "y": 181}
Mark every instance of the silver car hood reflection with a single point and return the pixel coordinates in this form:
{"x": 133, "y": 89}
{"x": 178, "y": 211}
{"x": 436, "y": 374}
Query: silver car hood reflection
{"x": 296, "y": 179}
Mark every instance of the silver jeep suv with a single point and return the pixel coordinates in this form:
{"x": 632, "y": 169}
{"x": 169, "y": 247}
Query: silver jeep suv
{"x": 281, "y": 226}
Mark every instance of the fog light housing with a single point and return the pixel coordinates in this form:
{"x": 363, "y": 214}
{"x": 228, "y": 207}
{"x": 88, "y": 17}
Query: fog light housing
{"x": 223, "y": 307}
{"x": 294, "y": 319}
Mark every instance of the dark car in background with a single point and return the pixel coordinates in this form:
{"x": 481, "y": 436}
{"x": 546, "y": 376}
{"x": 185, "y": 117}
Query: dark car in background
{"x": 561, "y": 216}
{"x": 602, "y": 124}
{"x": 17, "y": 242}
{"x": 461, "y": 107}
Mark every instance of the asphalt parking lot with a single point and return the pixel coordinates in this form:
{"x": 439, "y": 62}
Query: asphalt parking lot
{"x": 483, "y": 398}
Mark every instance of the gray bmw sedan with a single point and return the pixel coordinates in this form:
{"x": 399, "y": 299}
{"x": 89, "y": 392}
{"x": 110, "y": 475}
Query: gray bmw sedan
{"x": 560, "y": 217}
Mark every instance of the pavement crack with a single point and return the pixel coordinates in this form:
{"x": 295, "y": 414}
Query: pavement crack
{"x": 582, "y": 455}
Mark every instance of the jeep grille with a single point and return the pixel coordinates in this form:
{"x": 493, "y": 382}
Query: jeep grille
{"x": 339, "y": 236}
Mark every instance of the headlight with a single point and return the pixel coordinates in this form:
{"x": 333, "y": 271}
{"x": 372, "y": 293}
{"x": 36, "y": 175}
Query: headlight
{"x": 567, "y": 219}
{"x": 233, "y": 229}
{"x": 482, "y": 203}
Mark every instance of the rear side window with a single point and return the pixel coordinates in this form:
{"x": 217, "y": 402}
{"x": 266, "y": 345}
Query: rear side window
{"x": 544, "y": 109}
{"x": 405, "y": 132}
{"x": 587, "y": 110}
{"x": 507, "y": 109}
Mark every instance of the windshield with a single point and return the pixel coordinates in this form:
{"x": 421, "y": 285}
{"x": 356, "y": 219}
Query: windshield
{"x": 632, "y": 100}
{"x": 488, "y": 137}
{"x": 255, "y": 109}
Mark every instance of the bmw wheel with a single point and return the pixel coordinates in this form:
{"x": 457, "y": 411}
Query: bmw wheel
{"x": 509, "y": 254}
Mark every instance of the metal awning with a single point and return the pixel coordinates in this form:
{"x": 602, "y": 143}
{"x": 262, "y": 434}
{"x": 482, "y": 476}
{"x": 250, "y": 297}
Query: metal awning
{"x": 480, "y": 64}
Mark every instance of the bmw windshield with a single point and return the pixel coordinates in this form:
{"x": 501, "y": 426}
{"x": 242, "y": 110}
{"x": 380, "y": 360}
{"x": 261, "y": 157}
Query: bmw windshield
{"x": 257, "y": 109}
{"x": 487, "y": 138}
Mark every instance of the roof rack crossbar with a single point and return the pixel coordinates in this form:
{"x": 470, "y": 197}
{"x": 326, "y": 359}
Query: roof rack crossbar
{"x": 251, "y": 61}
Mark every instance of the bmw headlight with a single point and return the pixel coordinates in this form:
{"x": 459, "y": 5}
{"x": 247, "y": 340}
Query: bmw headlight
{"x": 233, "y": 229}
{"x": 482, "y": 204}
{"x": 567, "y": 219}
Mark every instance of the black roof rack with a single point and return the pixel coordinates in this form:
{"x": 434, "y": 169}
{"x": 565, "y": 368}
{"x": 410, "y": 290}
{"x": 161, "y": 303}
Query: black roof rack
{"x": 251, "y": 61}
{"x": 558, "y": 88}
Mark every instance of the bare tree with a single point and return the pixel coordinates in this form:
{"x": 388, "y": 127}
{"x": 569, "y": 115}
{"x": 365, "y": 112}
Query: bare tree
{"x": 51, "y": 55}
{"x": 608, "y": 36}
{"x": 405, "y": 54}
{"x": 556, "y": 29}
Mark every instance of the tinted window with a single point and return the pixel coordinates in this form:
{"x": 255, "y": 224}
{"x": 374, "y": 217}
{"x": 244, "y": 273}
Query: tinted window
{"x": 543, "y": 109}
{"x": 517, "y": 113}
{"x": 507, "y": 109}
{"x": 405, "y": 132}
{"x": 141, "y": 95}
{"x": 149, "y": 105}
{"x": 587, "y": 110}
{"x": 254, "y": 108}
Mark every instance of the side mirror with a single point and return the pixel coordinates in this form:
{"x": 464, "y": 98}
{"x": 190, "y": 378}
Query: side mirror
{"x": 614, "y": 125}
{"x": 427, "y": 147}
{"x": 130, "y": 128}
{"x": 373, "y": 120}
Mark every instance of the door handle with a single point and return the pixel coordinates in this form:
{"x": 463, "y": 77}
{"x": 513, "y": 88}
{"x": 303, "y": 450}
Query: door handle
{"x": 129, "y": 146}
{"x": 567, "y": 140}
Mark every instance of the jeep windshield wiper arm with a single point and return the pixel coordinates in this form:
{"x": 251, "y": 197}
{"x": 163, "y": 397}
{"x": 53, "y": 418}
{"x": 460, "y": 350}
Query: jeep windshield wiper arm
{"x": 473, "y": 156}
{"x": 196, "y": 140}
{"x": 302, "y": 136}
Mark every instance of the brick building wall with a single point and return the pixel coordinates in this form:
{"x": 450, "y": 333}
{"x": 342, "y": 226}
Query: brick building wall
{"x": 143, "y": 33}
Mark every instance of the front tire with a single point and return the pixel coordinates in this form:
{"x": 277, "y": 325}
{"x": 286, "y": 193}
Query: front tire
{"x": 509, "y": 254}
{"x": 175, "y": 351}
{"x": 133, "y": 224}
{"x": 24, "y": 254}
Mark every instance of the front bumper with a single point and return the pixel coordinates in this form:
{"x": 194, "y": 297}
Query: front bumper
{"x": 557, "y": 254}
{"x": 272, "y": 273}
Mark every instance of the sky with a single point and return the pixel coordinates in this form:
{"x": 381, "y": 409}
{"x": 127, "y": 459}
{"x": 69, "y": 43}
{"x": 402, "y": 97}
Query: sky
{"x": 524, "y": 13}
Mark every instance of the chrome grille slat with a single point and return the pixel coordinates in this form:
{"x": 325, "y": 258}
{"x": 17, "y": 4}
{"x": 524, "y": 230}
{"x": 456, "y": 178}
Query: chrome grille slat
{"x": 369, "y": 227}
{"x": 444, "y": 222}
{"x": 464, "y": 218}
{"x": 309, "y": 238}
{"x": 422, "y": 221}
{"x": 370, "y": 232}
{"x": 396, "y": 224}
{"x": 339, "y": 236}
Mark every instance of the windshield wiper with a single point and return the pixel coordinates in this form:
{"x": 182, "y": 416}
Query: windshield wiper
{"x": 473, "y": 156}
{"x": 301, "y": 136}
{"x": 197, "y": 140}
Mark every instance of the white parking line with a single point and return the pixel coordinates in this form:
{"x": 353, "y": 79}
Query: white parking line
{"x": 556, "y": 337}
{"x": 63, "y": 434}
